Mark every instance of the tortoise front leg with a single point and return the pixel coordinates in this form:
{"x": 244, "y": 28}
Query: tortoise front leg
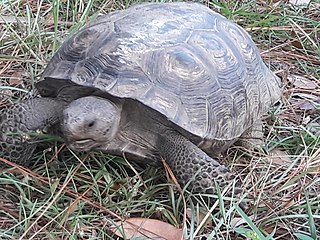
{"x": 187, "y": 160}
{"x": 22, "y": 118}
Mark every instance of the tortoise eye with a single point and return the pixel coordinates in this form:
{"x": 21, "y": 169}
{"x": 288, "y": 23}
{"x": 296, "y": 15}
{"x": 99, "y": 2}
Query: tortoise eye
{"x": 91, "y": 124}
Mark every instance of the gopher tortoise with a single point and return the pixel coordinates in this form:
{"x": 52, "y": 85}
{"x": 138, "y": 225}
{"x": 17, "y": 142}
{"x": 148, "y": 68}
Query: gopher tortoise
{"x": 172, "y": 81}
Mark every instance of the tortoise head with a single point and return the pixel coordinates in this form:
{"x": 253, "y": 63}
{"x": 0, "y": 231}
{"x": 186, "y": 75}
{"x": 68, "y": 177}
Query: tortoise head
{"x": 90, "y": 122}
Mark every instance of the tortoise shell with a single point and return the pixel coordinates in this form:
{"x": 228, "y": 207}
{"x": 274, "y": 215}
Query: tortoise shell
{"x": 200, "y": 70}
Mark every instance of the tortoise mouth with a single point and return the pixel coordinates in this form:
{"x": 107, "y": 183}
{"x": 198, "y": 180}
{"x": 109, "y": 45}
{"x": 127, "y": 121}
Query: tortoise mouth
{"x": 83, "y": 144}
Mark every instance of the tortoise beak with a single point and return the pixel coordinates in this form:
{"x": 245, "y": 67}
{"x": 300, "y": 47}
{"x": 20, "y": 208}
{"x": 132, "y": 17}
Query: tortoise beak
{"x": 82, "y": 144}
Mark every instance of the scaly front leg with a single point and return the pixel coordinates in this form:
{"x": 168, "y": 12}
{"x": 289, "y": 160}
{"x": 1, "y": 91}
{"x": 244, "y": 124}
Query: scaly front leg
{"x": 21, "y": 119}
{"x": 187, "y": 160}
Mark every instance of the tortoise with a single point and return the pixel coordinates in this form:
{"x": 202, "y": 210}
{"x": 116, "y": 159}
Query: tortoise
{"x": 173, "y": 81}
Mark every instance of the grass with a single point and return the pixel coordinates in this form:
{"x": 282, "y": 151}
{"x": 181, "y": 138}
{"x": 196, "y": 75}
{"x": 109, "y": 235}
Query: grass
{"x": 80, "y": 196}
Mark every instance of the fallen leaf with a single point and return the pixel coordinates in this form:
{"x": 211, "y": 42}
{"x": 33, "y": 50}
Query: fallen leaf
{"x": 13, "y": 19}
{"x": 279, "y": 157}
{"x": 14, "y": 81}
{"x": 314, "y": 128}
{"x": 299, "y": 2}
{"x": 147, "y": 228}
{"x": 200, "y": 216}
{"x": 276, "y": 229}
{"x": 237, "y": 221}
{"x": 305, "y": 101}
{"x": 297, "y": 44}
{"x": 307, "y": 96}
{"x": 302, "y": 82}
{"x": 304, "y": 104}
{"x": 308, "y": 105}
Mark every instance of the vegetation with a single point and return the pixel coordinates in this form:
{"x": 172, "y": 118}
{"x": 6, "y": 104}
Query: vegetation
{"x": 81, "y": 196}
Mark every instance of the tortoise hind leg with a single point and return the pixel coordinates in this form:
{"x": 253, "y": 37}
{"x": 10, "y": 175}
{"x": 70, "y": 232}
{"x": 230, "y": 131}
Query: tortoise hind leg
{"x": 186, "y": 160}
{"x": 22, "y": 118}
{"x": 253, "y": 137}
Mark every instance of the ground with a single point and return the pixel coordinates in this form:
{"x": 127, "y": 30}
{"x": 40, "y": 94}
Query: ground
{"x": 81, "y": 196}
